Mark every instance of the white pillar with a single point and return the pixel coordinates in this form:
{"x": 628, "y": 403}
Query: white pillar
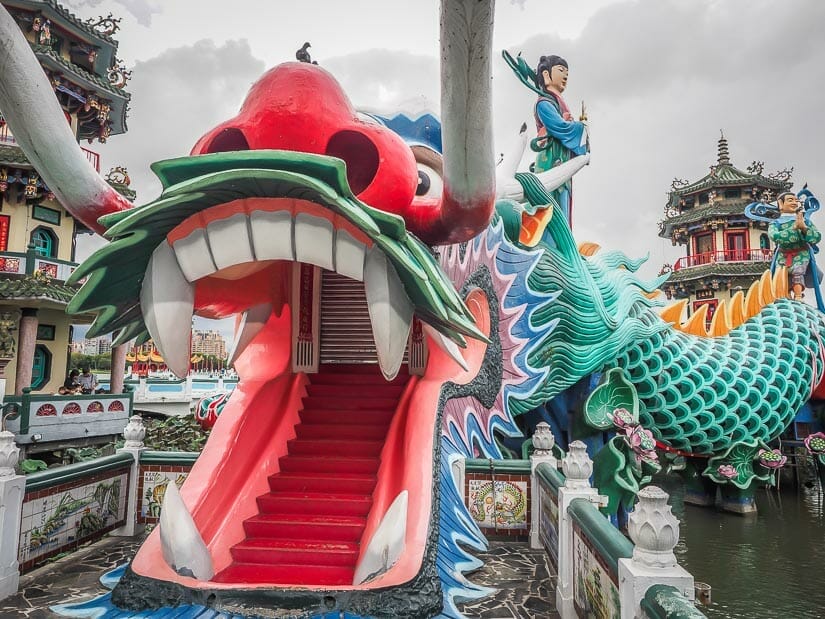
{"x": 577, "y": 468}
{"x": 543, "y": 442}
{"x": 655, "y": 533}
{"x": 133, "y": 433}
{"x": 12, "y": 491}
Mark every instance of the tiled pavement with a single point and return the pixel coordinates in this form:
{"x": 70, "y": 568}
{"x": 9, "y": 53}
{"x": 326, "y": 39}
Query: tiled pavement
{"x": 525, "y": 584}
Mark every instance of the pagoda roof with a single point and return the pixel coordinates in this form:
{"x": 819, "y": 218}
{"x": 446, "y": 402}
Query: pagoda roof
{"x": 728, "y": 209}
{"x": 725, "y": 175}
{"x": 66, "y": 19}
{"x": 718, "y": 269}
{"x": 14, "y": 156}
{"x": 118, "y": 97}
{"x": 35, "y": 288}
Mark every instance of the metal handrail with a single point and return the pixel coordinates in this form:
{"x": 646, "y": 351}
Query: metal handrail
{"x": 729, "y": 255}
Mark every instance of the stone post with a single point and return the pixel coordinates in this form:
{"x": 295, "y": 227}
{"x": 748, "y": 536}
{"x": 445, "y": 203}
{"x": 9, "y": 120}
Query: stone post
{"x": 655, "y": 533}
{"x": 577, "y": 468}
{"x": 134, "y": 432}
{"x": 12, "y": 491}
{"x": 118, "y": 368}
{"x": 543, "y": 442}
{"x": 26, "y": 341}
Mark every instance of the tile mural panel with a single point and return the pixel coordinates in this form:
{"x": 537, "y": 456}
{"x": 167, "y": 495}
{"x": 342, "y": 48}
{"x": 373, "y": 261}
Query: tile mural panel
{"x": 595, "y": 594}
{"x": 154, "y": 487}
{"x": 549, "y": 524}
{"x": 67, "y": 517}
{"x": 499, "y": 504}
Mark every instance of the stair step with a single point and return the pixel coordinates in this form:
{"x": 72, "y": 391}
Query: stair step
{"x": 317, "y": 503}
{"x": 358, "y": 391}
{"x": 356, "y": 379}
{"x": 297, "y": 552}
{"x": 354, "y": 432}
{"x": 334, "y": 464}
{"x": 303, "y": 526}
{"x": 286, "y": 574}
{"x": 334, "y": 447}
{"x": 337, "y": 403}
{"x": 365, "y": 416}
{"x": 353, "y": 483}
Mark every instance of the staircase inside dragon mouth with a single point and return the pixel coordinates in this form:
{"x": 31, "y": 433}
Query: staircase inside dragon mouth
{"x": 309, "y": 525}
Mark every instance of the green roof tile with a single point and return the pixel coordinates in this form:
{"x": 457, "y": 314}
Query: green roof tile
{"x": 719, "y": 269}
{"x": 34, "y": 287}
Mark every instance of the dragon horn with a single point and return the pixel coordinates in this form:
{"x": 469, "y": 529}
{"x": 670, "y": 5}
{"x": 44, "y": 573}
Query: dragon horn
{"x": 467, "y": 127}
{"x": 35, "y": 118}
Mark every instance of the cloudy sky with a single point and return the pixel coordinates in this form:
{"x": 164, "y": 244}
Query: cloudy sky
{"x": 660, "y": 79}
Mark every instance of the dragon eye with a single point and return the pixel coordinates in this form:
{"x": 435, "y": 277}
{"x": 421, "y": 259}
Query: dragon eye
{"x": 429, "y": 182}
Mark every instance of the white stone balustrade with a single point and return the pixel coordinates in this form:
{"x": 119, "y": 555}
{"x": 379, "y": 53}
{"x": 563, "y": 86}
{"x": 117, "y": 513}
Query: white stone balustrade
{"x": 12, "y": 490}
{"x": 655, "y": 532}
{"x": 543, "y": 441}
{"x": 134, "y": 433}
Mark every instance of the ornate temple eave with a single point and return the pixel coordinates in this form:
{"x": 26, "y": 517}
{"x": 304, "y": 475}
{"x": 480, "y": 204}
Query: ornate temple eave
{"x": 116, "y": 98}
{"x": 24, "y": 290}
{"x": 720, "y": 270}
{"x": 72, "y": 23}
{"x": 712, "y": 215}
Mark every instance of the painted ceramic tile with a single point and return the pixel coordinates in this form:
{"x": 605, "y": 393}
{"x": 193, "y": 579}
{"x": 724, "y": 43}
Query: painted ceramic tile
{"x": 549, "y": 525}
{"x": 595, "y": 595}
{"x": 154, "y": 487}
{"x": 502, "y": 505}
{"x": 70, "y": 516}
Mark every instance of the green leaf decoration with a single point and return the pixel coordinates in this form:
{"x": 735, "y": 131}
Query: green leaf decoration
{"x": 30, "y": 466}
{"x": 619, "y": 475}
{"x": 738, "y": 465}
{"x": 614, "y": 391}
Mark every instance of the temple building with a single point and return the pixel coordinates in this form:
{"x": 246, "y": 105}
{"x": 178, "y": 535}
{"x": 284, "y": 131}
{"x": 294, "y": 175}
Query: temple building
{"x": 37, "y": 235}
{"x": 724, "y": 250}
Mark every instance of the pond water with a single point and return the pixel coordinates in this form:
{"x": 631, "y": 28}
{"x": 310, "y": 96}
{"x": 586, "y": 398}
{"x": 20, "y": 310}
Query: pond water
{"x": 768, "y": 565}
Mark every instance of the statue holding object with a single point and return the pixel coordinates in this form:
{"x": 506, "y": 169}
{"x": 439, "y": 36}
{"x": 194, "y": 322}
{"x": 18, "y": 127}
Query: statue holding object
{"x": 560, "y": 137}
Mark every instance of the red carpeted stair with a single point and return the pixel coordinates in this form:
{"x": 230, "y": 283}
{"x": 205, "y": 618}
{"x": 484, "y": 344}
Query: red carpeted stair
{"x": 309, "y": 526}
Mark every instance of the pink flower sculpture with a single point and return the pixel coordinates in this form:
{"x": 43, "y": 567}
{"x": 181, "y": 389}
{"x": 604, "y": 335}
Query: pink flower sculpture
{"x": 622, "y": 418}
{"x": 815, "y": 443}
{"x": 728, "y": 471}
{"x": 771, "y": 459}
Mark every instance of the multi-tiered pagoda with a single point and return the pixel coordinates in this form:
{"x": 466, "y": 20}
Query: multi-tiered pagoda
{"x": 725, "y": 251}
{"x": 37, "y": 235}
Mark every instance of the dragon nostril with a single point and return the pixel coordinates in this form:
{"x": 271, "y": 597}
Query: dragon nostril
{"x": 229, "y": 139}
{"x": 360, "y": 155}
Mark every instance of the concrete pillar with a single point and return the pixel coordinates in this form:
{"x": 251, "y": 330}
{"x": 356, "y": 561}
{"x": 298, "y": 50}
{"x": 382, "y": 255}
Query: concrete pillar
{"x": 134, "y": 432}
{"x": 26, "y": 341}
{"x": 655, "y": 533}
{"x": 543, "y": 441}
{"x": 118, "y": 368}
{"x": 12, "y": 491}
{"x": 577, "y": 468}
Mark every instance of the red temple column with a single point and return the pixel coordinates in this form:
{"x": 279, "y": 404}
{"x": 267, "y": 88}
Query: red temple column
{"x": 118, "y": 368}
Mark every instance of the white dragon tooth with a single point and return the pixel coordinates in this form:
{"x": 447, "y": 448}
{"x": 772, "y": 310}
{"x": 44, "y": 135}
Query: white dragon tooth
{"x": 252, "y": 321}
{"x": 272, "y": 235}
{"x": 229, "y": 241}
{"x": 552, "y": 179}
{"x": 447, "y": 345}
{"x": 387, "y": 542}
{"x": 181, "y": 543}
{"x": 313, "y": 241}
{"x": 349, "y": 255}
{"x": 167, "y": 301}
{"x": 193, "y": 255}
{"x": 390, "y": 310}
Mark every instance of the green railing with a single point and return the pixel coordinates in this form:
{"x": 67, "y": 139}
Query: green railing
{"x": 550, "y": 478}
{"x": 607, "y": 539}
{"x": 73, "y": 472}
{"x": 665, "y": 602}
{"x": 176, "y": 458}
{"x": 511, "y": 467}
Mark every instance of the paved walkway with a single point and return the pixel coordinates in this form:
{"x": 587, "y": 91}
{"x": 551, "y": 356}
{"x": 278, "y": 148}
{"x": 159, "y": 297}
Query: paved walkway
{"x": 525, "y": 584}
